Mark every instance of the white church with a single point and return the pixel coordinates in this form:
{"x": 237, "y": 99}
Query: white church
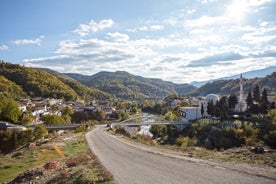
{"x": 193, "y": 113}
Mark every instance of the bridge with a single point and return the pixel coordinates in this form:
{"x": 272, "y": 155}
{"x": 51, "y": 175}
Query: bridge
{"x": 60, "y": 127}
{"x": 147, "y": 120}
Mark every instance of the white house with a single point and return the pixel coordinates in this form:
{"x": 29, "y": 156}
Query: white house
{"x": 190, "y": 113}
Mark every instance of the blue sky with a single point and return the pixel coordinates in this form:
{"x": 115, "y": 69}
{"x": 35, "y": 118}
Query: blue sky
{"x": 179, "y": 41}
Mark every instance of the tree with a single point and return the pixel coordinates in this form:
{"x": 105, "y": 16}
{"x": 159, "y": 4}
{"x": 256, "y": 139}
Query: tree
{"x": 7, "y": 140}
{"x": 210, "y": 108}
{"x": 159, "y": 130}
{"x": 249, "y": 99}
{"x": 202, "y": 110}
{"x": 67, "y": 111}
{"x": 11, "y": 112}
{"x": 263, "y": 106}
{"x": 26, "y": 118}
{"x": 256, "y": 93}
{"x": 25, "y": 137}
{"x": 170, "y": 116}
{"x": 53, "y": 119}
{"x": 232, "y": 101}
{"x": 40, "y": 131}
{"x": 222, "y": 105}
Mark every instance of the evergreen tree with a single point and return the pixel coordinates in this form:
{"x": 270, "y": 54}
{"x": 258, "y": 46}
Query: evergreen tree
{"x": 232, "y": 101}
{"x": 249, "y": 99}
{"x": 202, "y": 110}
{"x": 223, "y": 106}
{"x": 264, "y": 96}
{"x": 256, "y": 93}
{"x": 210, "y": 108}
{"x": 263, "y": 106}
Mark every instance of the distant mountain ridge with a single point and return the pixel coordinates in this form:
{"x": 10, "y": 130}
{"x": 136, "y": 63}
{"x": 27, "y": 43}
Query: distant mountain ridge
{"x": 248, "y": 75}
{"x": 223, "y": 87}
{"x": 127, "y": 86}
{"x": 124, "y": 85}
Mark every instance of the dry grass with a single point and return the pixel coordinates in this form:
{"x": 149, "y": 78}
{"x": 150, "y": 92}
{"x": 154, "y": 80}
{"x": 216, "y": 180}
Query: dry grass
{"x": 78, "y": 166}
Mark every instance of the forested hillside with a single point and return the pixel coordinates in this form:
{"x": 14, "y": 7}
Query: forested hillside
{"x": 127, "y": 86}
{"x": 11, "y": 89}
{"x": 40, "y": 83}
{"x": 232, "y": 86}
{"x": 82, "y": 90}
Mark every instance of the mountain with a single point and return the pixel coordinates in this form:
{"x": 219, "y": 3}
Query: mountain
{"x": 249, "y": 75}
{"x": 82, "y": 90}
{"x": 127, "y": 86}
{"x": 232, "y": 86}
{"x": 36, "y": 82}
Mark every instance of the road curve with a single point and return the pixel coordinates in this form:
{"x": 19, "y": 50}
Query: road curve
{"x": 131, "y": 165}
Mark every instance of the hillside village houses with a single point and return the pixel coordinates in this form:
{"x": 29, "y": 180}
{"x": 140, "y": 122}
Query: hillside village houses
{"x": 40, "y": 107}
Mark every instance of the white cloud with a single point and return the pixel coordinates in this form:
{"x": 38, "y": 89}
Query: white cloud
{"x": 92, "y": 26}
{"x": 118, "y": 37}
{"x": 4, "y": 47}
{"x": 156, "y": 27}
{"x": 206, "y": 1}
{"x": 204, "y": 21}
{"x": 172, "y": 21}
{"x": 143, "y": 28}
{"x": 191, "y": 11}
{"x": 35, "y": 41}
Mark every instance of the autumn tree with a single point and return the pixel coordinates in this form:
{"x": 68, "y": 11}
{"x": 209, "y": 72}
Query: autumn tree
{"x": 40, "y": 131}
{"x": 9, "y": 110}
{"x": 53, "y": 119}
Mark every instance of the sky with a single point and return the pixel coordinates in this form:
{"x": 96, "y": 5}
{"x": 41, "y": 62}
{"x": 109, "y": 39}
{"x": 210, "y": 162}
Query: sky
{"x": 179, "y": 41}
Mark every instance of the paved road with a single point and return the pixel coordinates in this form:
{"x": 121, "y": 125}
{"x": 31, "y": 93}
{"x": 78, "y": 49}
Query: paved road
{"x": 132, "y": 165}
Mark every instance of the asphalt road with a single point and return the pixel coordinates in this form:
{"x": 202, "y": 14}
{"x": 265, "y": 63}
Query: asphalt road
{"x": 130, "y": 165}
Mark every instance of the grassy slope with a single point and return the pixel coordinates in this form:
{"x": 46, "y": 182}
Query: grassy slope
{"x": 74, "y": 150}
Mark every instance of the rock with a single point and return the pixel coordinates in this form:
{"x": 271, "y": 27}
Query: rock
{"x": 258, "y": 149}
{"x": 27, "y": 176}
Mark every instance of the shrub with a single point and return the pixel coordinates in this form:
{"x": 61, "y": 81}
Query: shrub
{"x": 186, "y": 141}
{"x": 122, "y": 130}
{"x": 145, "y": 139}
{"x": 81, "y": 128}
{"x": 82, "y": 159}
{"x": 40, "y": 131}
{"x": 226, "y": 142}
{"x": 270, "y": 138}
{"x": 208, "y": 144}
{"x": 248, "y": 130}
{"x": 231, "y": 137}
